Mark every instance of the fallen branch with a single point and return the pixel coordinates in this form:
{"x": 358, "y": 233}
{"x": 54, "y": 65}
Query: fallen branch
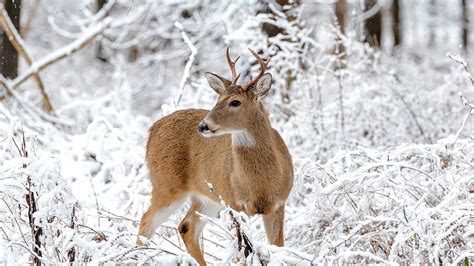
{"x": 17, "y": 42}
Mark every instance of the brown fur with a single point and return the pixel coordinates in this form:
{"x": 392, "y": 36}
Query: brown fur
{"x": 255, "y": 179}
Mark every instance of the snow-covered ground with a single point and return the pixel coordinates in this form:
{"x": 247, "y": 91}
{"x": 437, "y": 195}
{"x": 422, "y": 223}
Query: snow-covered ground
{"x": 383, "y": 148}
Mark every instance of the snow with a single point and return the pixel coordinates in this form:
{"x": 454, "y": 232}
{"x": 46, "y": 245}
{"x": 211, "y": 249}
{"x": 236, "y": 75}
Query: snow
{"x": 393, "y": 183}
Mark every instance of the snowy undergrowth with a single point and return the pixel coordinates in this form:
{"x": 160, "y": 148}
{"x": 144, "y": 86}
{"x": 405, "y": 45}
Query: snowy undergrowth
{"x": 406, "y": 203}
{"x": 409, "y": 204}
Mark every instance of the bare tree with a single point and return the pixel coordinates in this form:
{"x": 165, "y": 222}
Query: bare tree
{"x": 272, "y": 30}
{"x": 8, "y": 54}
{"x": 373, "y": 25}
{"x": 17, "y": 42}
{"x": 100, "y": 49}
{"x": 465, "y": 25}
{"x": 341, "y": 14}
{"x": 341, "y": 20}
{"x": 432, "y": 26}
{"x": 396, "y": 22}
{"x": 287, "y": 7}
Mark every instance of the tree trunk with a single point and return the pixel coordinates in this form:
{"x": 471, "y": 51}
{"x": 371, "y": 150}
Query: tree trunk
{"x": 432, "y": 27}
{"x": 272, "y": 30}
{"x": 373, "y": 25}
{"x": 465, "y": 25}
{"x": 341, "y": 14}
{"x": 8, "y": 54}
{"x": 396, "y": 25}
{"x": 101, "y": 55}
{"x": 341, "y": 21}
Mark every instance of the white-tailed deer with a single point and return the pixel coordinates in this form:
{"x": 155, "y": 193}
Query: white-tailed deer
{"x": 233, "y": 147}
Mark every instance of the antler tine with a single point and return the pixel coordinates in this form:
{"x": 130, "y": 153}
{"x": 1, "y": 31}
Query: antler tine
{"x": 235, "y": 77}
{"x": 263, "y": 67}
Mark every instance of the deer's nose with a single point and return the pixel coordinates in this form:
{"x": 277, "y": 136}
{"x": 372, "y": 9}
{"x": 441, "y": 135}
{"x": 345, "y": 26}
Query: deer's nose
{"x": 202, "y": 127}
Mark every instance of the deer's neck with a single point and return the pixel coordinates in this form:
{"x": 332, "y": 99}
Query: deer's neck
{"x": 252, "y": 150}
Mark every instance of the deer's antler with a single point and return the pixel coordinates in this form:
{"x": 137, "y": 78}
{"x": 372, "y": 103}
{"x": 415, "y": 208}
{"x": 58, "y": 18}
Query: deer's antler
{"x": 263, "y": 67}
{"x": 231, "y": 63}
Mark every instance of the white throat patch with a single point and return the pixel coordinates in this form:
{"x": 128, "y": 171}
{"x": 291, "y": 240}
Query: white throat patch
{"x": 242, "y": 139}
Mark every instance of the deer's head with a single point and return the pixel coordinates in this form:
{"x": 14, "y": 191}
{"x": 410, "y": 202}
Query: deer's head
{"x": 237, "y": 105}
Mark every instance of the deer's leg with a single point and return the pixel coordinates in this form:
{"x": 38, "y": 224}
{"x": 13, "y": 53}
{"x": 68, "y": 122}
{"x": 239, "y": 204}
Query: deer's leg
{"x": 192, "y": 225}
{"x": 274, "y": 226}
{"x": 162, "y": 206}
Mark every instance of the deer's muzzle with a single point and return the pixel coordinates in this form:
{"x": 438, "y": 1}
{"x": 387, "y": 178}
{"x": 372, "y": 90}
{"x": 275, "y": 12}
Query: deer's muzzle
{"x": 202, "y": 127}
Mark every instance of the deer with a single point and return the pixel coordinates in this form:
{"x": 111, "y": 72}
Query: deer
{"x": 233, "y": 147}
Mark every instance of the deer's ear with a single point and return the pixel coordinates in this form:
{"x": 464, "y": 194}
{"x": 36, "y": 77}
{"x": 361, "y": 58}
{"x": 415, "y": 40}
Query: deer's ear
{"x": 217, "y": 83}
{"x": 263, "y": 85}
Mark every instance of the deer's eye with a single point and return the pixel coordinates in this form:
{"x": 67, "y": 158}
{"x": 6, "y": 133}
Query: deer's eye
{"x": 234, "y": 103}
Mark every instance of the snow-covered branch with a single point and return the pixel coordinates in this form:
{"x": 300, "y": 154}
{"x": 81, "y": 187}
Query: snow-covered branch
{"x": 86, "y": 39}
{"x": 18, "y": 43}
{"x": 187, "y": 68}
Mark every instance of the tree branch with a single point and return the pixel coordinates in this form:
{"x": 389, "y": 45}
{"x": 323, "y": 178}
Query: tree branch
{"x": 64, "y": 52}
{"x": 89, "y": 36}
{"x": 187, "y": 68}
{"x": 20, "y": 46}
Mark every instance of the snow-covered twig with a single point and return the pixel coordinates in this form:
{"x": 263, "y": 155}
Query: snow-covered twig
{"x": 96, "y": 201}
{"x": 32, "y": 109}
{"x": 16, "y": 222}
{"x": 187, "y": 68}
{"x": 33, "y": 254}
{"x": 461, "y": 61}
{"x": 466, "y": 117}
{"x": 209, "y": 219}
{"x": 101, "y": 14}
{"x": 408, "y": 107}
{"x": 369, "y": 13}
